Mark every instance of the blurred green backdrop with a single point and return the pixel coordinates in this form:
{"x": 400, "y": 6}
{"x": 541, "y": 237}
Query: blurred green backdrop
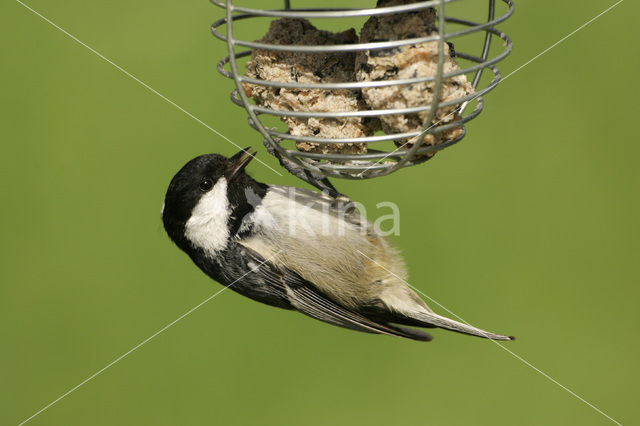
{"x": 529, "y": 227}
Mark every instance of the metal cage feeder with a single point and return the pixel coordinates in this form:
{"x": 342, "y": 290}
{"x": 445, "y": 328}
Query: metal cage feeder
{"x": 375, "y": 162}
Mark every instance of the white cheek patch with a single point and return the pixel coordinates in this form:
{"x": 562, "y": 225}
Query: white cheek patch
{"x": 207, "y": 227}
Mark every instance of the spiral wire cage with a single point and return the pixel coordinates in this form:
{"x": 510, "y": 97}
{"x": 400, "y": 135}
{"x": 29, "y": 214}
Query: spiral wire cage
{"x": 375, "y": 162}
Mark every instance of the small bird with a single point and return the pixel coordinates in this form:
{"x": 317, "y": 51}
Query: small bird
{"x": 294, "y": 249}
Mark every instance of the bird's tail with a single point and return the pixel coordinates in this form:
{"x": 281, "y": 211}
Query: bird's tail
{"x": 430, "y": 319}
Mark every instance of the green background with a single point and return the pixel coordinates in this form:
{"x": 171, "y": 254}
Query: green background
{"x": 528, "y": 227}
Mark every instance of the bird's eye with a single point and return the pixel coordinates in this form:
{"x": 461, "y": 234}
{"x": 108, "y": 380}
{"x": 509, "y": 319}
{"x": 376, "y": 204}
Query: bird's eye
{"x": 206, "y": 184}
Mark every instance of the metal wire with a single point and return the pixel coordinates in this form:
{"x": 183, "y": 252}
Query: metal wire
{"x": 375, "y": 162}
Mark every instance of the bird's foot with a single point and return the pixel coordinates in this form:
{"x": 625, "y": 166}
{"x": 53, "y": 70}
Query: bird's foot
{"x": 313, "y": 178}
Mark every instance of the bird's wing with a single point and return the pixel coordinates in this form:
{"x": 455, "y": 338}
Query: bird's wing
{"x": 324, "y": 243}
{"x": 306, "y": 298}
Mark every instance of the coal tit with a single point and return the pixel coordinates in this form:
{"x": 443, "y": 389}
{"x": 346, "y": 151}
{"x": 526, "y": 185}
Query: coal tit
{"x": 294, "y": 249}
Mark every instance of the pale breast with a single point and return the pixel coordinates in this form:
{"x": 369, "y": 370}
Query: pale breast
{"x": 335, "y": 250}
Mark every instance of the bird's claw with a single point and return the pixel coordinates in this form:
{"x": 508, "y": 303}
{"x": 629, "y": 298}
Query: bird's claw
{"x": 315, "y": 179}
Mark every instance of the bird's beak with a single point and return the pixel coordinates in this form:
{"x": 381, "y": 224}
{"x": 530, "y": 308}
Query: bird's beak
{"x": 239, "y": 161}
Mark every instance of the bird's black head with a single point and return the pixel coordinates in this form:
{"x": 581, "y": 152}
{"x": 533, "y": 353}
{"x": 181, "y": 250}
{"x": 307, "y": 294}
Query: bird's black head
{"x": 207, "y": 199}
